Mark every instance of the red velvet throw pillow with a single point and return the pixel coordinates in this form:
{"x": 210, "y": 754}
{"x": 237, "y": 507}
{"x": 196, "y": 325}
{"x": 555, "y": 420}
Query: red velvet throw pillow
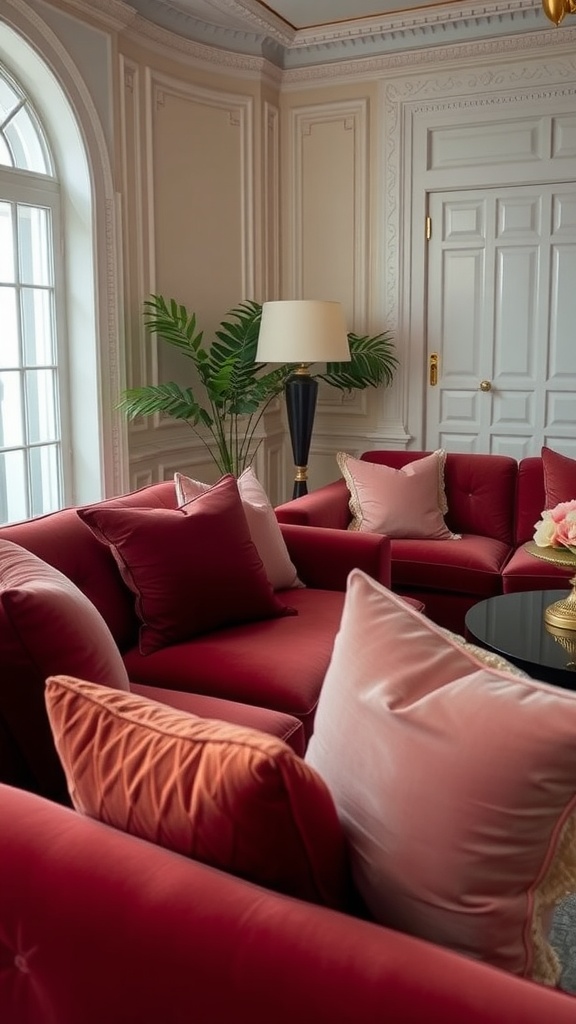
{"x": 47, "y": 625}
{"x": 192, "y": 569}
{"x": 559, "y": 477}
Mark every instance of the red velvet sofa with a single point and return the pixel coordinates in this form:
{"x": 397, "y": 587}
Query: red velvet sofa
{"x": 100, "y": 925}
{"x": 493, "y": 502}
{"x": 266, "y": 674}
{"x": 97, "y": 925}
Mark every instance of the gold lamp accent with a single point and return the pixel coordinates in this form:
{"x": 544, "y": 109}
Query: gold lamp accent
{"x": 557, "y": 9}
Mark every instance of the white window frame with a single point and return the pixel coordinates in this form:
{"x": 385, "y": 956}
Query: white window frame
{"x": 29, "y": 189}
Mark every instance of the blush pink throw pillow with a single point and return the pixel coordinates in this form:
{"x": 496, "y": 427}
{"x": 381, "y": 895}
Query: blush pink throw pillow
{"x": 264, "y": 527}
{"x": 455, "y": 784}
{"x": 408, "y": 502}
{"x": 192, "y": 569}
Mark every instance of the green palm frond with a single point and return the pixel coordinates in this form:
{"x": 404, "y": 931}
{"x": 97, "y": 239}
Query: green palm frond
{"x": 168, "y": 398}
{"x": 173, "y": 324}
{"x": 372, "y": 362}
{"x": 236, "y": 389}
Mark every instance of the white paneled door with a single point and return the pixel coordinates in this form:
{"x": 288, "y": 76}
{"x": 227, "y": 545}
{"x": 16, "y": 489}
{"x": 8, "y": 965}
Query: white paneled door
{"x": 501, "y": 320}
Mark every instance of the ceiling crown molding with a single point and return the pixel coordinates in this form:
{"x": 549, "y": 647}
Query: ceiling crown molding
{"x": 250, "y": 29}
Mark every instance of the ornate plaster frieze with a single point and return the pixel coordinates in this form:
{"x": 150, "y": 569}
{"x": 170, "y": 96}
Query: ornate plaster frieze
{"x": 232, "y": 30}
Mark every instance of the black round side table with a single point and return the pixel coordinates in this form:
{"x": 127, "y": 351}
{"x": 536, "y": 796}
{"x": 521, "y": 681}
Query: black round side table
{"x": 513, "y": 625}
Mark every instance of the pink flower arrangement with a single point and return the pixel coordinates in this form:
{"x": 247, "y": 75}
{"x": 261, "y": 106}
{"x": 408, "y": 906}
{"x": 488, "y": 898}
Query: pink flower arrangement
{"x": 557, "y": 527}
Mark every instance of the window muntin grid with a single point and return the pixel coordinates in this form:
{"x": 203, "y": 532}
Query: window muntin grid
{"x": 31, "y": 470}
{"x": 23, "y": 144}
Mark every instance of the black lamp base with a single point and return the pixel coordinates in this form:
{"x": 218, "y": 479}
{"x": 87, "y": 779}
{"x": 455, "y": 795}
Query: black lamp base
{"x": 301, "y": 395}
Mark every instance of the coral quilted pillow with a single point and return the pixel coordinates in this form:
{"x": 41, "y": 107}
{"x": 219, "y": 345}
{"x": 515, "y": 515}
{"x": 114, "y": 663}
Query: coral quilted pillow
{"x": 229, "y": 796}
{"x": 408, "y": 502}
{"x": 47, "y": 625}
{"x": 264, "y": 527}
{"x": 455, "y": 784}
{"x": 559, "y": 477}
{"x": 191, "y": 569}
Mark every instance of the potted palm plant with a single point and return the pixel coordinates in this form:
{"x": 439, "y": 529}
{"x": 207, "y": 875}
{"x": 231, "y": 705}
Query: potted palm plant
{"x": 233, "y": 391}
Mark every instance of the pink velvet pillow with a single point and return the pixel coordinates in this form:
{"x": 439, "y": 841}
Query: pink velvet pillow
{"x": 192, "y": 570}
{"x": 455, "y": 784}
{"x": 227, "y": 795}
{"x": 559, "y": 477}
{"x": 264, "y": 527}
{"x": 408, "y": 502}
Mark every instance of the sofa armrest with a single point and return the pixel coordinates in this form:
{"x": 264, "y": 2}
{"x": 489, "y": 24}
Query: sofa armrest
{"x": 99, "y": 926}
{"x": 328, "y": 506}
{"x": 324, "y": 557}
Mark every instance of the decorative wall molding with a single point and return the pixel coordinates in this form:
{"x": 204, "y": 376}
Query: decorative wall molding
{"x": 353, "y": 116}
{"x": 271, "y": 201}
{"x": 135, "y": 277}
{"x": 410, "y": 106}
{"x": 241, "y": 111}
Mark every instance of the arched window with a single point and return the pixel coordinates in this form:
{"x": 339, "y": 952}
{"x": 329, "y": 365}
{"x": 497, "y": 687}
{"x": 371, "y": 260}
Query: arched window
{"x": 32, "y": 329}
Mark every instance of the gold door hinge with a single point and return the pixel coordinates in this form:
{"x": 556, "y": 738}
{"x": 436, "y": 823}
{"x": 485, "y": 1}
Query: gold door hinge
{"x": 428, "y": 228}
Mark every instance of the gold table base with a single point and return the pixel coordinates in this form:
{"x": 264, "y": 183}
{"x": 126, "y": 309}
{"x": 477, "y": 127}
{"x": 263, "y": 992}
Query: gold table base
{"x": 561, "y": 615}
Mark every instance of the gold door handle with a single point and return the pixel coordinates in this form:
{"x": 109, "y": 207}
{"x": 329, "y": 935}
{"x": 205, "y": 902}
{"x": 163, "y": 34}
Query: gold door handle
{"x": 485, "y": 385}
{"x": 433, "y": 369}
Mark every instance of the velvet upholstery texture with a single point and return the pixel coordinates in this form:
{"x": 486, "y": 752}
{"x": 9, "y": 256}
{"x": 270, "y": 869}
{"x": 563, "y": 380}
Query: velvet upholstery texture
{"x": 449, "y": 577}
{"x": 98, "y": 926}
{"x": 559, "y": 477}
{"x": 228, "y": 796}
{"x": 236, "y": 659}
{"x": 62, "y": 540}
{"x": 285, "y": 727}
{"x": 408, "y": 502}
{"x": 264, "y": 527}
{"x": 47, "y": 625}
{"x": 455, "y": 784}
{"x": 191, "y": 570}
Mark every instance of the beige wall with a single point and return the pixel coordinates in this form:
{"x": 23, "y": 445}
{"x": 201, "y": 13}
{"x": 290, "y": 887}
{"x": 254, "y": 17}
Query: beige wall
{"x": 235, "y": 182}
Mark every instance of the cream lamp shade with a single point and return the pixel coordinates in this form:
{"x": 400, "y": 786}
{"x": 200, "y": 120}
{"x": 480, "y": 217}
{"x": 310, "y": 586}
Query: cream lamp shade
{"x": 303, "y": 331}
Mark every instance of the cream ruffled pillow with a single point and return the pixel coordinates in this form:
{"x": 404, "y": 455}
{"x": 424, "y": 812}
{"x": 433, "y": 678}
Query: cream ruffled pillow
{"x": 263, "y": 525}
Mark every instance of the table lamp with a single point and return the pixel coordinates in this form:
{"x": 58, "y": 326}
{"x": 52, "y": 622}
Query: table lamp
{"x": 302, "y": 331}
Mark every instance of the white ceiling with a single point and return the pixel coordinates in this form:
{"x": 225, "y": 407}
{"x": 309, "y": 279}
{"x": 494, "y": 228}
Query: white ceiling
{"x": 313, "y": 13}
{"x": 300, "y": 33}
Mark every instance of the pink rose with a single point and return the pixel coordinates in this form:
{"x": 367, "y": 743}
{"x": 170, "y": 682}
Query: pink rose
{"x": 561, "y": 511}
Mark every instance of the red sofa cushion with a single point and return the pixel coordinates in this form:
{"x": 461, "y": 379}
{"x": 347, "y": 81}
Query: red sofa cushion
{"x": 228, "y": 796}
{"x": 277, "y": 663}
{"x": 275, "y": 723}
{"x": 527, "y": 572}
{"x": 191, "y": 570}
{"x": 472, "y": 565}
